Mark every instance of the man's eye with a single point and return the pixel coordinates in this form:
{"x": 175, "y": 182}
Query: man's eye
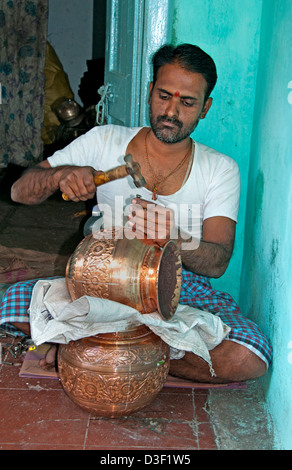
{"x": 163, "y": 96}
{"x": 187, "y": 103}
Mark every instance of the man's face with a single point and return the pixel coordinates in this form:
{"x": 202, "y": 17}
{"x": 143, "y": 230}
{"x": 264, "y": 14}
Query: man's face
{"x": 177, "y": 102}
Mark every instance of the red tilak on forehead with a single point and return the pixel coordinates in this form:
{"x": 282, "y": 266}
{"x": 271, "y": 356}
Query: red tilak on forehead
{"x": 176, "y": 93}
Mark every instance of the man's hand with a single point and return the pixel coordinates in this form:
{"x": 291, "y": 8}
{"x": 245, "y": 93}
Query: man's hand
{"x": 152, "y": 221}
{"x": 77, "y": 183}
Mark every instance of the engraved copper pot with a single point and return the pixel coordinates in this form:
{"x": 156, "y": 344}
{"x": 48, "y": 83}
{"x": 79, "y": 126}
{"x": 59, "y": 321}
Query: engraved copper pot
{"x": 116, "y": 374}
{"x": 133, "y": 272}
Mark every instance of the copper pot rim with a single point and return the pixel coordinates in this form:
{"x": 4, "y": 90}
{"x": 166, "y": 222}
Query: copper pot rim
{"x": 167, "y": 311}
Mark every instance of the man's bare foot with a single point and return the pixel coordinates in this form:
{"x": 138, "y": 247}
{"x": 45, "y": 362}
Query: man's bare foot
{"x": 49, "y": 362}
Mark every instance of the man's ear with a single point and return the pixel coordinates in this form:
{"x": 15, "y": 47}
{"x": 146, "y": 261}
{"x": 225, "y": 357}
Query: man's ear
{"x": 206, "y": 108}
{"x": 150, "y": 91}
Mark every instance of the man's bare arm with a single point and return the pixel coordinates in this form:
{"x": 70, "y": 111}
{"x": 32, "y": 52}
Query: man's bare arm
{"x": 213, "y": 252}
{"x": 40, "y": 182}
{"x": 36, "y": 184}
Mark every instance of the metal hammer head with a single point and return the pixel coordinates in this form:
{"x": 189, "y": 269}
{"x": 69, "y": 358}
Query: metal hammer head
{"x": 133, "y": 169}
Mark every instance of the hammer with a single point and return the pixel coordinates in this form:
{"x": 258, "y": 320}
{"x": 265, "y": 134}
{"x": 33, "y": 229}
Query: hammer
{"x": 129, "y": 168}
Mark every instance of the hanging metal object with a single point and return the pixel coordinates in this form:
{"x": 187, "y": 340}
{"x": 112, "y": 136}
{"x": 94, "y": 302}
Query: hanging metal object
{"x": 102, "y": 105}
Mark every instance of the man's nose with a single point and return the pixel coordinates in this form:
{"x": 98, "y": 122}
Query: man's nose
{"x": 172, "y": 108}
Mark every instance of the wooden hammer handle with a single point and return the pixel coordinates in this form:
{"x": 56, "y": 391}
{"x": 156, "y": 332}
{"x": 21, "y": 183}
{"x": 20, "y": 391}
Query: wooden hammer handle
{"x": 113, "y": 174}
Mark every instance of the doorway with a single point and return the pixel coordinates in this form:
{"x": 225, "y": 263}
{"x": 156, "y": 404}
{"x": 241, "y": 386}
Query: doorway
{"x": 82, "y": 33}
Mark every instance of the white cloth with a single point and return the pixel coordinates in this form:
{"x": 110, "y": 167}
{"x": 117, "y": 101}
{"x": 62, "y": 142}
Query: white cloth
{"x": 55, "y": 318}
{"x": 212, "y": 188}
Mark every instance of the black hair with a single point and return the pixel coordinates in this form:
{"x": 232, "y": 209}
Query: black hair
{"x": 189, "y": 57}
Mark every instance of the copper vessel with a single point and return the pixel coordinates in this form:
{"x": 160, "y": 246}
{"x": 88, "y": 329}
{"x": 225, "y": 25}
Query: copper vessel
{"x": 134, "y": 272}
{"x": 116, "y": 374}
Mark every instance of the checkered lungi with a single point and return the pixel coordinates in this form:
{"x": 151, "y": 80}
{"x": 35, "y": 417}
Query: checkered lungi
{"x": 196, "y": 291}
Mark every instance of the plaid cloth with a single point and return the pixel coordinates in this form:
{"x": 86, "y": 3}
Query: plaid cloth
{"x": 196, "y": 291}
{"x": 14, "y": 307}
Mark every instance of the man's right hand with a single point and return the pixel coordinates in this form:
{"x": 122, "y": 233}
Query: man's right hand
{"x": 77, "y": 183}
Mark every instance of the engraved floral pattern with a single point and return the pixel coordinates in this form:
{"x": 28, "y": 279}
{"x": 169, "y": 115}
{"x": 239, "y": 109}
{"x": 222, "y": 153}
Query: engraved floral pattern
{"x": 110, "y": 379}
{"x": 89, "y": 266}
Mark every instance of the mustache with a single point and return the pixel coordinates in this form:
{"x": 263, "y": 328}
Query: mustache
{"x": 170, "y": 120}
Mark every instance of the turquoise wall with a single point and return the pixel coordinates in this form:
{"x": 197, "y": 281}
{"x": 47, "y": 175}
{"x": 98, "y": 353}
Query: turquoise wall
{"x": 266, "y": 287}
{"x": 251, "y": 120}
{"x": 229, "y": 30}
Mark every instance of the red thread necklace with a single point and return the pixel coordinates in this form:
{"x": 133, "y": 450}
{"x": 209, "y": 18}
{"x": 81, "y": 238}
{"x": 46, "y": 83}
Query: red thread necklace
{"x": 158, "y": 180}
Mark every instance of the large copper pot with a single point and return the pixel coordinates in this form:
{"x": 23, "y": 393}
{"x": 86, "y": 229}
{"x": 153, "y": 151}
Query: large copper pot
{"x": 133, "y": 272}
{"x": 115, "y": 374}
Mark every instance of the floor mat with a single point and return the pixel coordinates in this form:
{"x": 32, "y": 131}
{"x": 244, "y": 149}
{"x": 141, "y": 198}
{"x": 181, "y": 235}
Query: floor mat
{"x": 183, "y": 383}
{"x": 31, "y": 364}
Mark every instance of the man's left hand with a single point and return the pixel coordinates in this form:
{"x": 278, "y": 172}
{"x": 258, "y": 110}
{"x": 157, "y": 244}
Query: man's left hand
{"x": 152, "y": 221}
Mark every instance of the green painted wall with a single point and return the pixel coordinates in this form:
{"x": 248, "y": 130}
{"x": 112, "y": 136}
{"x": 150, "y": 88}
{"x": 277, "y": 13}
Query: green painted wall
{"x": 266, "y": 286}
{"x": 251, "y": 120}
{"x": 229, "y": 30}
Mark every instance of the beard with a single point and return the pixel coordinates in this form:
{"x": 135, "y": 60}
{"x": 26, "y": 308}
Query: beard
{"x": 170, "y": 134}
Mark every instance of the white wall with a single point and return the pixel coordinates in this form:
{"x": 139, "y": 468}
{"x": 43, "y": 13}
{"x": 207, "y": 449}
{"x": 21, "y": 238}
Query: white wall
{"x": 70, "y": 30}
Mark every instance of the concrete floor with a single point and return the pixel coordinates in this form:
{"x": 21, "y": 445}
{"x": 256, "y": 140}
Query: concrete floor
{"x": 38, "y": 414}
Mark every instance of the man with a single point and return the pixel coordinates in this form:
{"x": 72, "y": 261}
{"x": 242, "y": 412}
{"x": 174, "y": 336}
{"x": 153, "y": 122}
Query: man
{"x": 180, "y": 174}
